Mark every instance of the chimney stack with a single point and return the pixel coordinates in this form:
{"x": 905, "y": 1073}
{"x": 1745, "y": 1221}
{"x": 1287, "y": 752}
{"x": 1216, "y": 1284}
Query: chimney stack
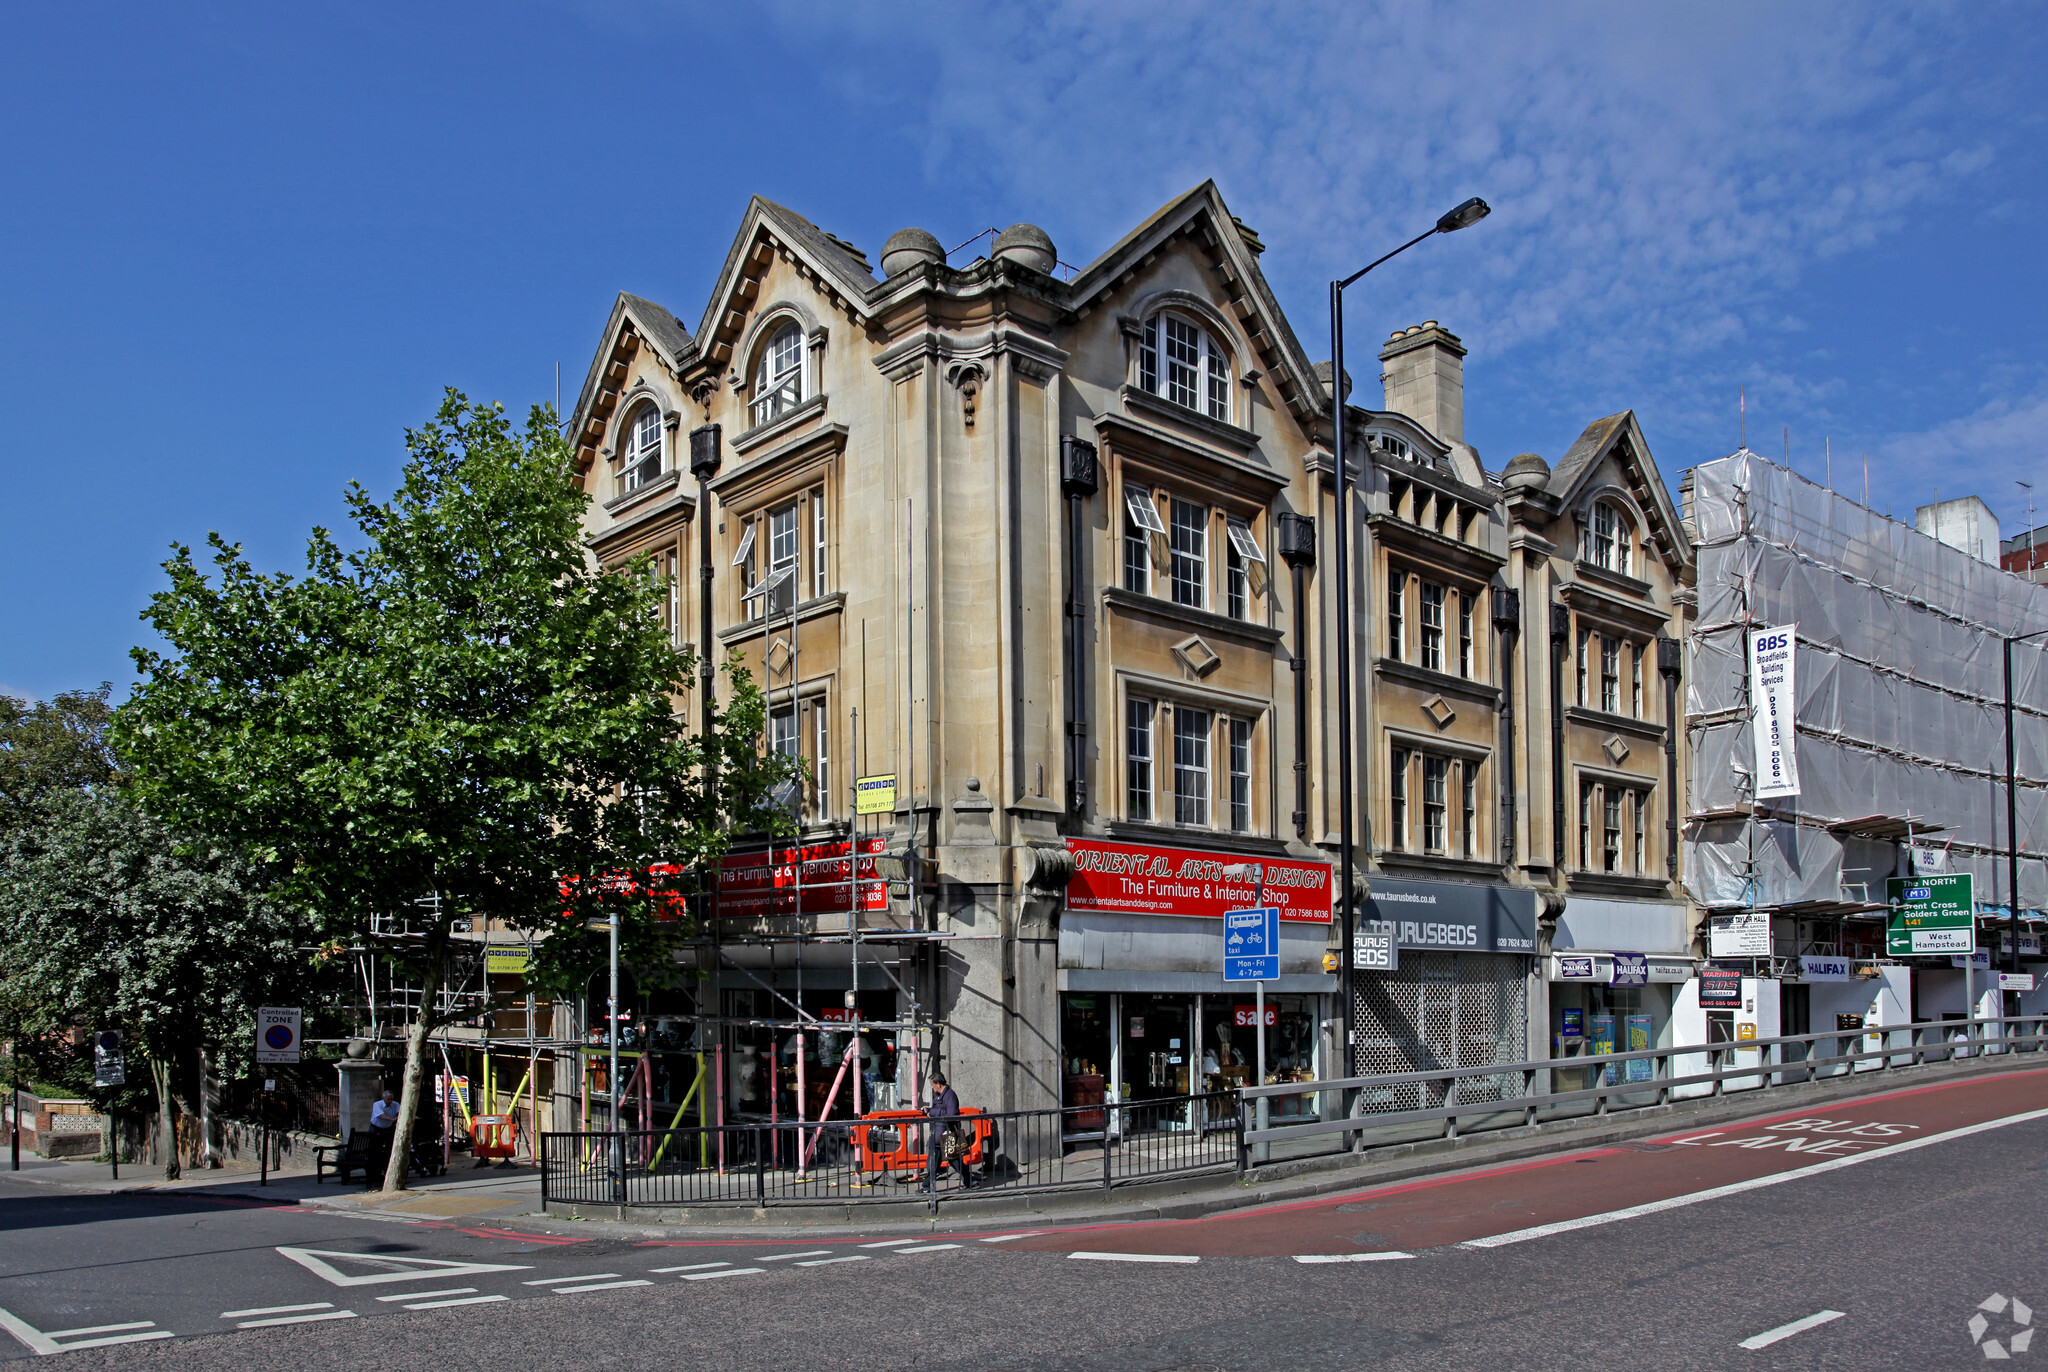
{"x": 1423, "y": 370}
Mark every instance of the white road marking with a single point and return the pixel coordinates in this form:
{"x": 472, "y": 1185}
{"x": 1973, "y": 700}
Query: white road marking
{"x": 44, "y": 1344}
{"x": 693, "y": 1267}
{"x": 581, "y": 1276}
{"x": 889, "y": 1243}
{"x": 1005, "y": 1238}
{"x": 928, "y": 1248}
{"x": 407, "y": 1296}
{"x": 1349, "y": 1257}
{"x": 1786, "y": 1331}
{"x": 602, "y": 1286}
{"x": 1544, "y": 1231}
{"x": 98, "y": 1329}
{"x": 827, "y": 1262}
{"x": 785, "y": 1257}
{"x": 314, "y": 1260}
{"x": 298, "y": 1319}
{"x": 1135, "y": 1257}
{"x": 279, "y": 1310}
{"x": 728, "y": 1272}
{"x": 465, "y": 1300}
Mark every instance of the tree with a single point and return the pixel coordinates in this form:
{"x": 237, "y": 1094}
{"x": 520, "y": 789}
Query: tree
{"x": 465, "y": 708}
{"x": 52, "y": 747}
{"x": 113, "y": 923}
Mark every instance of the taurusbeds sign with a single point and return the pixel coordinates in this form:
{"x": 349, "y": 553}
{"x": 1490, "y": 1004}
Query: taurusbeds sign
{"x": 1139, "y": 879}
{"x": 1453, "y": 916}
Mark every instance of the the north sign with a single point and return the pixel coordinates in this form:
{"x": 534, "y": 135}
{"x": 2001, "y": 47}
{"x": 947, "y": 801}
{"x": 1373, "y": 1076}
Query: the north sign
{"x": 1930, "y": 915}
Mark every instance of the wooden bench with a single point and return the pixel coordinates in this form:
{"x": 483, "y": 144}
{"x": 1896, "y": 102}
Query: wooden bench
{"x": 366, "y": 1152}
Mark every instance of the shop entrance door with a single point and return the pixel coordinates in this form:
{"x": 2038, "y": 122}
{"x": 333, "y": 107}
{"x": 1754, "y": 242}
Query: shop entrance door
{"x": 1157, "y": 1059}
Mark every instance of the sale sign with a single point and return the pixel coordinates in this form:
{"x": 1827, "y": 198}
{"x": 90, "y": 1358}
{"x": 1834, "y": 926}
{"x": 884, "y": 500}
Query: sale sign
{"x": 1141, "y": 879}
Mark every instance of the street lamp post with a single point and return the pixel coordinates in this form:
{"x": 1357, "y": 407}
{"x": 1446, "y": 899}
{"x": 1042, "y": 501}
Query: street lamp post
{"x": 2012, "y": 810}
{"x": 1465, "y": 215}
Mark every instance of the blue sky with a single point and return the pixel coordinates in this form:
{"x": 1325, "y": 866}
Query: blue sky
{"x": 242, "y": 246}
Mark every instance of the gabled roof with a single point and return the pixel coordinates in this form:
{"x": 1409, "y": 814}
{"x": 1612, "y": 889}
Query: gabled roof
{"x": 632, "y": 319}
{"x": 1620, "y": 435}
{"x": 1201, "y": 212}
{"x": 839, "y": 269}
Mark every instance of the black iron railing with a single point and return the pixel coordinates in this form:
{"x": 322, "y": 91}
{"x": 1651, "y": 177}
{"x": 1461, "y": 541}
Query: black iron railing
{"x": 890, "y": 1156}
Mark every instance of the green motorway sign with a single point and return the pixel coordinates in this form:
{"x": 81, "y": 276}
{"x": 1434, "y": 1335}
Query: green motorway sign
{"x": 1930, "y": 915}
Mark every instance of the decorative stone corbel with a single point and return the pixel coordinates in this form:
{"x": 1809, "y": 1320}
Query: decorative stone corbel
{"x": 966, "y": 377}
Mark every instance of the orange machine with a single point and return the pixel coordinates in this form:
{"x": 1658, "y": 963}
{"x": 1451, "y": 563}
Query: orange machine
{"x": 888, "y": 1142}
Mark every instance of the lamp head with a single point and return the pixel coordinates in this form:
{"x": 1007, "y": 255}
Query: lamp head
{"x": 1464, "y": 216}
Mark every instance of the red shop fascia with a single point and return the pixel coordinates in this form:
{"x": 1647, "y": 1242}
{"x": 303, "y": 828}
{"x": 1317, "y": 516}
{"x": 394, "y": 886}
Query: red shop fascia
{"x": 1146, "y": 879}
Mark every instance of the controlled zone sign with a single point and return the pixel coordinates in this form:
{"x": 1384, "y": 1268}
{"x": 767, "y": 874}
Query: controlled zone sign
{"x": 277, "y": 1034}
{"x": 1251, "y": 944}
{"x": 1930, "y": 914}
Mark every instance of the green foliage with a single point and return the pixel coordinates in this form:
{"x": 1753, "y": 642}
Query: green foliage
{"x": 113, "y": 924}
{"x": 51, "y": 747}
{"x": 464, "y": 707}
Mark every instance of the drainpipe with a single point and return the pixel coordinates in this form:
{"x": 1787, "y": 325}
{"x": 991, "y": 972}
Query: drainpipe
{"x": 1560, "y": 645}
{"x": 1080, "y": 478}
{"x": 1668, "y": 668}
{"x": 1296, "y": 544}
{"x": 1507, "y": 622}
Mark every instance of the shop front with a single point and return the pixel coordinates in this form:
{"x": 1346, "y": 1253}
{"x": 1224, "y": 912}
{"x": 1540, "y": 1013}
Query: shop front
{"x": 1145, "y": 1015}
{"x": 1459, "y": 995}
{"x": 1614, "y": 971}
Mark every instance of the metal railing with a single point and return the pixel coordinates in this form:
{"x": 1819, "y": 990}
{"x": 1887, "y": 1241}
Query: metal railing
{"x": 887, "y": 1157}
{"x": 1388, "y": 1108}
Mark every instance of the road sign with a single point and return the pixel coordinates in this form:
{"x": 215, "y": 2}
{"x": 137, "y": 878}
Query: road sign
{"x": 277, "y": 1034}
{"x": 1251, "y": 944}
{"x": 1377, "y": 951}
{"x": 1930, "y": 914}
{"x": 109, "y": 1067}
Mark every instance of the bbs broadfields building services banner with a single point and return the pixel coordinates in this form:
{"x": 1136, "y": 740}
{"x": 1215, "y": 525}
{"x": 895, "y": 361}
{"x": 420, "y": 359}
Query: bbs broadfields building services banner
{"x": 1772, "y": 703}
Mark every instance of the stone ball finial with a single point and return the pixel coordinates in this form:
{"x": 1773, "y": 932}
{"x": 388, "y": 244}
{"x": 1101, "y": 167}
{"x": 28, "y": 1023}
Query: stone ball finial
{"x": 1028, "y": 246}
{"x": 974, "y": 783}
{"x": 908, "y": 248}
{"x": 1525, "y": 472}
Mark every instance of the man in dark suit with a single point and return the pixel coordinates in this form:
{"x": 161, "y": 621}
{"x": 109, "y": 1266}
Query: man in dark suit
{"x": 944, "y": 1113}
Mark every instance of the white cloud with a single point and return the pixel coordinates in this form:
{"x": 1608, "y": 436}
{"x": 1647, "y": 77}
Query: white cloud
{"x": 1640, "y": 159}
{"x": 1982, "y": 453}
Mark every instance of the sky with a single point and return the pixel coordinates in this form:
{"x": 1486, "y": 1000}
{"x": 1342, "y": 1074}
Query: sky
{"x": 243, "y": 247}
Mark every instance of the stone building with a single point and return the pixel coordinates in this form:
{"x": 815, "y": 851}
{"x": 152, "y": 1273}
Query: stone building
{"x": 1033, "y": 564}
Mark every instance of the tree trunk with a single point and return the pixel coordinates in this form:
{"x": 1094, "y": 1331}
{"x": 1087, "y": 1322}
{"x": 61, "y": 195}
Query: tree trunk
{"x": 209, "y": 1096}
{"x": 415, "y": 1066}
{"x": 166, "y": 1122}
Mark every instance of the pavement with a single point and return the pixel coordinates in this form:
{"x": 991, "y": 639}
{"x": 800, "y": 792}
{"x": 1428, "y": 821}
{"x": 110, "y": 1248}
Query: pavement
{"x": 1906, "y": 1228}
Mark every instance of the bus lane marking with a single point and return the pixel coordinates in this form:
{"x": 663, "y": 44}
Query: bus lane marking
{"x": 1543, "y": 1231}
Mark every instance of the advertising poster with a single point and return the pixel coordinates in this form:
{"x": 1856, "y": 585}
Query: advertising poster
{"x": 1773, "y": 703}
{"x": 1600, "y": 1039}
{"x": 1639, "y": 1039}
{"x": 1720, "y": 988}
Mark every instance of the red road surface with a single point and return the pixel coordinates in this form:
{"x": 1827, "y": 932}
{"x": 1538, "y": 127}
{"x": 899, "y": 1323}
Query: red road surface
{"x": 1470, "y": 1205}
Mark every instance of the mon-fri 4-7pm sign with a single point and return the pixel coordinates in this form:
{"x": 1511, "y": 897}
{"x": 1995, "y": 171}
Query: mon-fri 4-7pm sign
{"x": 1932, "y": 914}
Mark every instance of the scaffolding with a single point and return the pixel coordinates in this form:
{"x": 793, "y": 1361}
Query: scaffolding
{"x": 1898, "y": 668}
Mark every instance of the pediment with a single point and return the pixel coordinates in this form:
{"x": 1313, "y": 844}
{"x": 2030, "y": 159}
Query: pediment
{"x": 1118, "y": 279}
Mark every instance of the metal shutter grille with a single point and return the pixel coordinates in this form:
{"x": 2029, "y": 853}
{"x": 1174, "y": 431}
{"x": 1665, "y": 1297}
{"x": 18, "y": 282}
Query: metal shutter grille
{"x": 1441, "y": 1010}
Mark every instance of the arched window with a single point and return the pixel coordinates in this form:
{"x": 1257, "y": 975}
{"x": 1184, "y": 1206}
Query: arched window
{"x": 1609, "y": 540}
{"x": 641, "y": 460}
{"x": 1179, "y": 362}
{"x": 779, "y": 374}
